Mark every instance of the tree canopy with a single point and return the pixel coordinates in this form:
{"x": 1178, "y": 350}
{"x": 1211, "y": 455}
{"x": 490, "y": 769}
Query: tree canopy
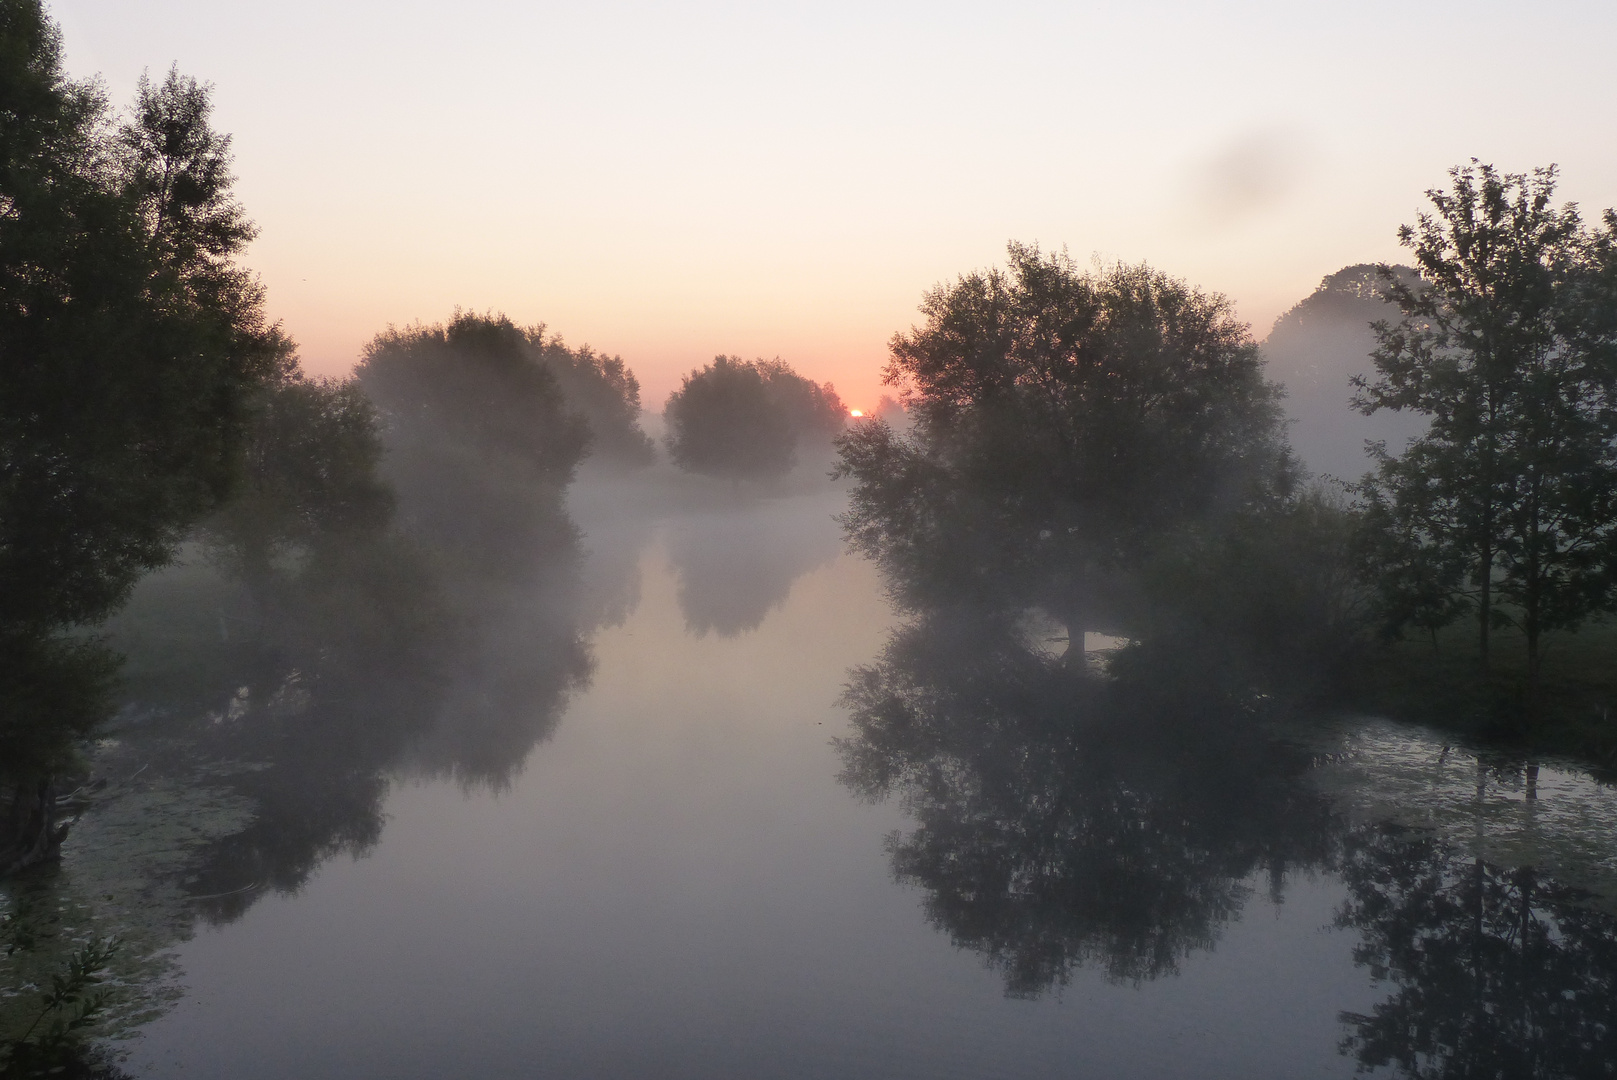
{"x": 130, "y": 342}
{"x": 1065, "y": 422}
{"x": 483, "y": 381}
{"x": 744, "y": 419}
{"x": 482, "y": 441}
{"x": 131, "y": 346}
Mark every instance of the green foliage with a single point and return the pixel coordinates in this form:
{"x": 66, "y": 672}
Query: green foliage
{"x": 488, "y": 386}
{"x": 130, "y": 348}
{"x": 68, "y": 680}
{"x": 53, "y": 1038}
{"x": 130, "y": 342}
{"x": 1506, "y": 506}
{"x": 1274, "y": 599}
{"x": 309, "y": 477}
{"x": 746, "y": 419}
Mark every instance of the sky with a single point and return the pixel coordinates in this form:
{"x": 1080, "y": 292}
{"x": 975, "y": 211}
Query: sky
{"x": 670, "y": 181}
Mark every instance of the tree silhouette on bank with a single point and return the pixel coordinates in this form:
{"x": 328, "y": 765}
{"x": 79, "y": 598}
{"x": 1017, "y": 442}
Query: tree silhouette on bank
{"x": 131, "y": 347}
{"x": 745, "y": 420}
{"x": 1076, "y": 437}
{"x": 1506, "y": 506}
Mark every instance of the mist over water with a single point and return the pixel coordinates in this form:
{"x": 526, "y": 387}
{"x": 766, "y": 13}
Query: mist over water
{"x": 1120, "y": 695}
{"x": 610, "y": 840}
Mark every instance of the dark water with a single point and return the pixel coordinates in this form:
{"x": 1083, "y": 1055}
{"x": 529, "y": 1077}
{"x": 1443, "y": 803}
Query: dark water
{"x": 669, "y": 879}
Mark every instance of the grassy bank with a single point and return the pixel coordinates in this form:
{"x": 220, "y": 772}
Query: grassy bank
{"x": 1573, "y": 712}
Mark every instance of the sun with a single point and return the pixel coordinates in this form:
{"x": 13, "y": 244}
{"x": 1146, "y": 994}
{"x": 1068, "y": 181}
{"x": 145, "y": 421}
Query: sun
{"x": 856, "y": 413}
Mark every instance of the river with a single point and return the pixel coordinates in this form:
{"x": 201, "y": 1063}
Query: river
{"x": 669, "y": 878}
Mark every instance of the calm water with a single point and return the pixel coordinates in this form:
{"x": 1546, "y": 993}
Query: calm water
{"x": 673, "y": 882}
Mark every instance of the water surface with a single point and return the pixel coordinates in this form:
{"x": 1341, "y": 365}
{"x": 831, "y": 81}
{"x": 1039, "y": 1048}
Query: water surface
{"x": 671, "y": 881}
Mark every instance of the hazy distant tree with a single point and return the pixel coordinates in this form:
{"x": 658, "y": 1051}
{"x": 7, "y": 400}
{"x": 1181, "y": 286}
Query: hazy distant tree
{"x": 744, "y": 419}
{"x": 604, "y": 391}
{"x": 815, "y": 409}
{"x": 1507, "y": 504}
{"x": 1065, "y": 423}
{"x": 130, "y": 347}
{"x": 1315, "y": 349}
{"x": 481, "y": 440}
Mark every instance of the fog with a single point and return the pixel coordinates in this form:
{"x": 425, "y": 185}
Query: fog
{"x": 1315, "y": 350}
{"x": 1120, "y": 690}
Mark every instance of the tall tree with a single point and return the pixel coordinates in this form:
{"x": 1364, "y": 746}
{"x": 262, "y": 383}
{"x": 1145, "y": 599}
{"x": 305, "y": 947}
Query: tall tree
{"x": 1507, "y": 505}
{"x": 130, "y": 347}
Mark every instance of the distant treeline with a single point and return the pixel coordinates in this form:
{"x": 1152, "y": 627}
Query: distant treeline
{"x": 147, "y": 401}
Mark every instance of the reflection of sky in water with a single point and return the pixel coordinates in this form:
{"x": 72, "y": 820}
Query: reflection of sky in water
{"x": 1381, "y": 771}
{"x": 676, "y": 886}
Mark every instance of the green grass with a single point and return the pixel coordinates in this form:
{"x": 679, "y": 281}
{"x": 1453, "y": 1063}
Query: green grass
{"x": 1573, "y": 712}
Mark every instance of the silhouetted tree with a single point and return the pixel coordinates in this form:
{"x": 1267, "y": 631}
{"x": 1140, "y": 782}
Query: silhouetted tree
{"x": 130, "y": 347}
{"x": 1066, "y": 426}
{"x": 745, "y": 419}
{"x": 1511, "y": 495}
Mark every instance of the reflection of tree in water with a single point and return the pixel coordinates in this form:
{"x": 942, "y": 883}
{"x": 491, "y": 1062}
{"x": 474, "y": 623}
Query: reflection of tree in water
{"x": 735, "y": 568}
{"x": 1064, "y": 819}
{"x": 485, "y": 680}
{"x": 1496, "y": 973}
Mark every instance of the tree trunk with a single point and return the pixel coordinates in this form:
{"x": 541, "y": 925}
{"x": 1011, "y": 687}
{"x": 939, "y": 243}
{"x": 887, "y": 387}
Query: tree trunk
{"x": 29, "y": 833}
{"x": 1485, "y": 602}
{"x": 1532, "y": 663}
{"x": 1533, "y": 615}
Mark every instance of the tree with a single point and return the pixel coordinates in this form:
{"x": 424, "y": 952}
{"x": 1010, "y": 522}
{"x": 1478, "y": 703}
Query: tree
{"x": 482, "y": 442}
{"x": 130, "y": 348}
{"x": 1315, "y": 349}
{"x": 604, "y": 391}
{"x": 745, "y": 419}
{"x": 310, "y": 478}
{"x": 1507, "y": 505}
{"x": 1065, "y": 424}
